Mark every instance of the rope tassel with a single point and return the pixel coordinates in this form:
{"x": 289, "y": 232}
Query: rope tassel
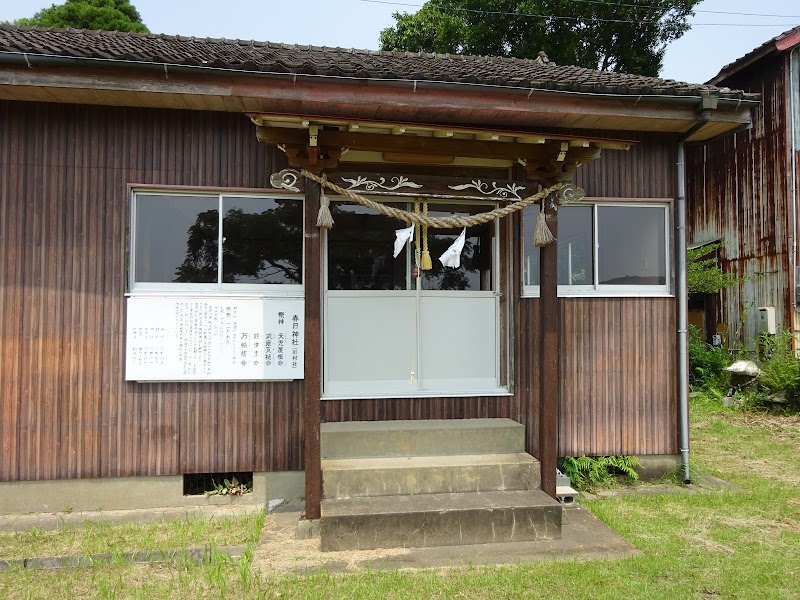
{"x": 324, "y": 216}
{"x": 542, "y": 236}
{"x": 425, "y": 262}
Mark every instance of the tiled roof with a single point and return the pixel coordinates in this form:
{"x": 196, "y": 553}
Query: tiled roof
{"x": 752, "y": 56}
{"x": 337, "y": 62}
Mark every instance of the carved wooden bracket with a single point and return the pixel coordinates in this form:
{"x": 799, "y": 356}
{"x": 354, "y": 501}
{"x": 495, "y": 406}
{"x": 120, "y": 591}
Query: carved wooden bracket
{"x": 570, "y": 194}
{"x": 390, "y": 184}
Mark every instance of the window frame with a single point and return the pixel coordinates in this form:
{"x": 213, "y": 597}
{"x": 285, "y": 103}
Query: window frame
{"x": 217, "y": 288}
{"x": 596, "y": 289}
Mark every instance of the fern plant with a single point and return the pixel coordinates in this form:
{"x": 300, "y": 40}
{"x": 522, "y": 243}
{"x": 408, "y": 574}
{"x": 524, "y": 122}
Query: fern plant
{"x": 591, "y": 472}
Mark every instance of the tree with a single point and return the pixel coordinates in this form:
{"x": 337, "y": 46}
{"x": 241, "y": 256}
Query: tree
{"x": 703, "y": 274}
{"x": 628, "y": 37}
{"x": 109, "y": 15}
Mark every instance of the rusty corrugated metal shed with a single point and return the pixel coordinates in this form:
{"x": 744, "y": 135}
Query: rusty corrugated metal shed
{"x": 739, "y": 190}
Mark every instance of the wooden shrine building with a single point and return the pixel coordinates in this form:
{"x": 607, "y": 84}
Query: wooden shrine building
{"x": 170, "y": 307}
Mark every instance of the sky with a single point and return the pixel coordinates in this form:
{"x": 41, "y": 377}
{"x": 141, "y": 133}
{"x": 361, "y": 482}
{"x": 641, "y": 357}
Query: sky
{"x": 714, "y": 40}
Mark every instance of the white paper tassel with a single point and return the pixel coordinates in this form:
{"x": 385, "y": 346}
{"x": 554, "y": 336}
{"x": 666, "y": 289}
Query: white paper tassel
{"x": 452, "y": 256}
{"x": 402, "y": 237}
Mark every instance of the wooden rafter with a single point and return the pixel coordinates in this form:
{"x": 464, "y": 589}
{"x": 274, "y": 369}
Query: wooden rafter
{"x": 551, "y": 161}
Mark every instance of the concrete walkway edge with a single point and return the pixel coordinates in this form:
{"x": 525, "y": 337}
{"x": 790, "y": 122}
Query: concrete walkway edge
{"x": 197, "y": 555}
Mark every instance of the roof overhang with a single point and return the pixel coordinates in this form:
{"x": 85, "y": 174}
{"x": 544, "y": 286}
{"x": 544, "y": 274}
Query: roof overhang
{"x": 163, "y": 86}
{"x": 773, "y": 46}
{"x": 390, "y": 142}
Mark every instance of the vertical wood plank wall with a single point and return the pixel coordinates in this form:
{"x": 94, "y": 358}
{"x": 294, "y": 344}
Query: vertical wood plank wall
{"x": 65, "y": 409}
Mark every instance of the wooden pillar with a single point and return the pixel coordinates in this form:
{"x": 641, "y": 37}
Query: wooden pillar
{"x": 313, "y": 350}
{"x": 549, "y": 354}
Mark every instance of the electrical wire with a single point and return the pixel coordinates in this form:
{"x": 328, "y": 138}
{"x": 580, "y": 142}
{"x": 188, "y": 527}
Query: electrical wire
{"x": 697, "y": 10}
{"x": 571, "y": 18}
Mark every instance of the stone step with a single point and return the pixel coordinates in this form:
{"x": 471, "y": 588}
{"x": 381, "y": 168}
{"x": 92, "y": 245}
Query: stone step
{"x": 354, "y": 477}
{"x": 363, "y": 439}
{"x": 423, "y": 521}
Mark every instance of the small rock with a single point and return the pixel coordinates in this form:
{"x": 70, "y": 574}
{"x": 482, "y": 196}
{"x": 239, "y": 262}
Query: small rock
{"x": 732, "y": 401}
{"x": 781, "y": 397}
{"x": 744, "y": 367}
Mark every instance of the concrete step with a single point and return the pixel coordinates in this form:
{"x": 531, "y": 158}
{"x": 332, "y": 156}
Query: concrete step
{"x": 362, "y": 439}
{"x": 438, "y": 520}
{"x": 355, "y": 477}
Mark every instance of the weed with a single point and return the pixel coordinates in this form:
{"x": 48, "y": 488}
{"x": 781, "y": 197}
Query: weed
{"x": 781, "y": 368}
{"x": 591, "y": 472}
{"x": 229, "y": 487}
{"x": 707, "y": 363}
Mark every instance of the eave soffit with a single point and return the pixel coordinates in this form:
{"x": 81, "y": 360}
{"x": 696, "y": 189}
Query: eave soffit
{"x": 324, "y": 143}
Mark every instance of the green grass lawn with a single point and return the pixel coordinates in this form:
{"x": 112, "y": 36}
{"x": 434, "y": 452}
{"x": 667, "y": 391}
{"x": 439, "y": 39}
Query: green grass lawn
{"x": 98, "y": 538}
{"x": 742, "y": 543}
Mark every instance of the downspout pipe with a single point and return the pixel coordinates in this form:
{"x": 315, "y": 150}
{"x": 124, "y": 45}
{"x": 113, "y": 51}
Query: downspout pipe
{"x": 793, "y": 124}
{"x": 681, "y": 286}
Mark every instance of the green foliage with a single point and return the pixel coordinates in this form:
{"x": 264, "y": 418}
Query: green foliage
{"x": 229, "y": 487}
{"x": 781, "y": 368}
{"x": 605, "y": 35}
{"x": 704, "y": 275}
{"x": 591, "y": 472}
{"x": 780, "y": 373}
{"x": 108, "y": 15}
{"x": 707, "y": 363}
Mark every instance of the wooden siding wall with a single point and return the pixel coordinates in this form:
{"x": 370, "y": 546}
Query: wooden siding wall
{"x": 738, "y": 190}
{"x": 647, "y": 170}
{"x": 619, "y": 362}
{"x": 65, "y": 409}
{"x": 619, "y": 386}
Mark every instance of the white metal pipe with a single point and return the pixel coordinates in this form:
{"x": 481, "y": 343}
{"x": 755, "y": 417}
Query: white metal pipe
{"x": 682, "y": 299}
{"x": 793, "y": 116}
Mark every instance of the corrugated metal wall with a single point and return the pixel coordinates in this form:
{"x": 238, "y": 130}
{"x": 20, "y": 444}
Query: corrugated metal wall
{"x": 65, "y": 409}
{"x": 737, "y": 190}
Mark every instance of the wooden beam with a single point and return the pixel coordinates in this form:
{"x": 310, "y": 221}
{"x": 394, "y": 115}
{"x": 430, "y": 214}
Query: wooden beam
{"x": 434, "y": 146}
{"x": 549, "y": 354}
{"x": 313, "y": 352}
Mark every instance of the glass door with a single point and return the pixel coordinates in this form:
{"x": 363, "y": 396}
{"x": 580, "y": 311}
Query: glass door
{"x": 458, "y": 317}
{"x": 389, "y": 333}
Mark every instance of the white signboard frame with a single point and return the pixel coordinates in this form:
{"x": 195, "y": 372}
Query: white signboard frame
{"x": 196, "y": 338}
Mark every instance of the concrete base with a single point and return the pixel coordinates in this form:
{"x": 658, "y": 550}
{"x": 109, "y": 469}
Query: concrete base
{"x": 358, "y": 439}
{"x": 422, "y": 521}
{"x": 356, "y": 477}
{"x": 657, "y": 466}
{"x": 307, "y": 530}
{"x": 582, "y": 537}
{"x": 55, "y": 521}
{"x": 130, "y": 493}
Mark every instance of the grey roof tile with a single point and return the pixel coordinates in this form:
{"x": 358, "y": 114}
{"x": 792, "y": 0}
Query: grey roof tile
{"x": 339, "y": 62}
